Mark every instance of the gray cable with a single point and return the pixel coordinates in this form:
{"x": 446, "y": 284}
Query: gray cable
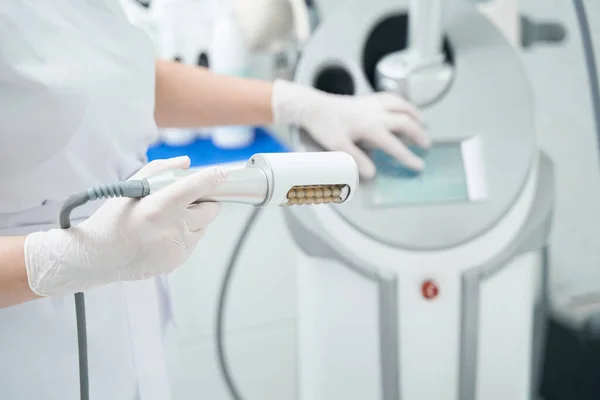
{"x": 224, "y": 291}
{"x": 131, "y": 189}
{"x": 65, "y": 223}
{"x": 590, "y": 61}
{"x": 592, "y": 326}
{"x": 84, "y": 384}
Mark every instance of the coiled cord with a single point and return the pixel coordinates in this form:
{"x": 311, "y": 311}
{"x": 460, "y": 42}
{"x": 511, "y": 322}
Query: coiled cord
{"x": 131, "y": 189}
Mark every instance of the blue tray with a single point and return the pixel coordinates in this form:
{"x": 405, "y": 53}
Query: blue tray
{"x": 202, "y": 152}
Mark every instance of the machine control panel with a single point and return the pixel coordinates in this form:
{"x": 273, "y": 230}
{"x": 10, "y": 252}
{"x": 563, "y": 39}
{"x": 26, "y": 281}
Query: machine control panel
{"x": 454, "y": 172}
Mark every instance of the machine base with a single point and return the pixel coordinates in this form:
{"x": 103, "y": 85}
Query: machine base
{"x": 465, "y": 340}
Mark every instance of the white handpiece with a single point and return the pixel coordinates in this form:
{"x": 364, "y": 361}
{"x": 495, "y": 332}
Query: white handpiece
{"x": 268, "y": 179}
{"x": 280, "y": 179}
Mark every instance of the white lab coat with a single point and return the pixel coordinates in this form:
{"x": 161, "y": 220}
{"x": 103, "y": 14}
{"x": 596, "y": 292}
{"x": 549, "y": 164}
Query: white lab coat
{"x": 76, "y": 110}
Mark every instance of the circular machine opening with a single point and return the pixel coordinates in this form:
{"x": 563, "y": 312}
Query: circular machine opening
{"x": 335, "y": 80}
{"x": 388, "y": 36}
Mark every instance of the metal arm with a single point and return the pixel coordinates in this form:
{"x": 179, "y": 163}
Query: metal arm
{"x": 425, "y": 35}
{"x": 420, "y": 72}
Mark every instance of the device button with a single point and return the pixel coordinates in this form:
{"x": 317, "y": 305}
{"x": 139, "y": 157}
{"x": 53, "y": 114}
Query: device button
{"x": 429, "y": 290}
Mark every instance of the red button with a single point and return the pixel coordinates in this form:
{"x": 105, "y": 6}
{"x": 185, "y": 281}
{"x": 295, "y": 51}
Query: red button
{"x": 429, "y": 290}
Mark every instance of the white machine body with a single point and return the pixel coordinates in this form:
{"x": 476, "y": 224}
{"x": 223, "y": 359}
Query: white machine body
{"x": 505, "y": 15}
{"x": 429, "y": 334}
{"x": 428, "y": 286}
{"x": 340, "y": 318}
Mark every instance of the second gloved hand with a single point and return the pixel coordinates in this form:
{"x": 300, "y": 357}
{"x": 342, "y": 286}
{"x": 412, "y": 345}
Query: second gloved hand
{"x": 126, "y": 239}
{"x": 338, "y": 122}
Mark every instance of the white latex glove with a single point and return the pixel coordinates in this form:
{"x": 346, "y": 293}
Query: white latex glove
{"x": 126, "y": 239}
{"x": 338, "y": 122}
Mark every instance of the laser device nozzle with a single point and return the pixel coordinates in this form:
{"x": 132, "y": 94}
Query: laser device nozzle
{"x": 280, "y": 179}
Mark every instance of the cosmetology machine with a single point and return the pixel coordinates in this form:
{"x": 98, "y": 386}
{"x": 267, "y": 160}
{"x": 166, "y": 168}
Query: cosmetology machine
{"x": 427, "y": 286}
{"x": 435, "y": 286}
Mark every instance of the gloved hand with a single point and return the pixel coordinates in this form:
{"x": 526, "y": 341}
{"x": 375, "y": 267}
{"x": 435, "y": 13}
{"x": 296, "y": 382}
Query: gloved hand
{"x": 337, "y": 122}
{"x": 126, "y": 239}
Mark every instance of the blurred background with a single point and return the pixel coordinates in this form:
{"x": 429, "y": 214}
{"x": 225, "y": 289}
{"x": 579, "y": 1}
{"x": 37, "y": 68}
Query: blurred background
{"x": 261, "y": 317}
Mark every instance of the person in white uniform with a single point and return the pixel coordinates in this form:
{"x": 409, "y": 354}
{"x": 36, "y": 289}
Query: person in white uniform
{"x": 81, "y": 97}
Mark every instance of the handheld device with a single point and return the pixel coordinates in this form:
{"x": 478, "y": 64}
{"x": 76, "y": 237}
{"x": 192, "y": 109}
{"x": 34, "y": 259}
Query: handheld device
{"x": 279, "y": 179}
{"x": 269, "y": 179}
